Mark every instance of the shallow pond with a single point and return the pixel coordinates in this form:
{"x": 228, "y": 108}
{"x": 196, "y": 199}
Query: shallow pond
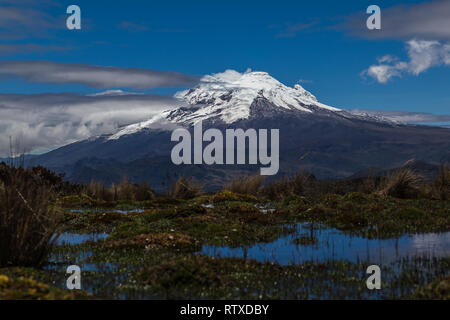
{"x": 68, "y": 238}
{"x": 107, "y": 210}
{"x": 111, "y": 279}
{"x": 331, "y": 244}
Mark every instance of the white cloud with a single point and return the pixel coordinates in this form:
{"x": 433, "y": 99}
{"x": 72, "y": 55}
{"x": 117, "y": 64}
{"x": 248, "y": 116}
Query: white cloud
{"x": 45, "y": 121}
{"x": 405, "y": 116}
{"x": 427, "y": 20}
{"x": 422, "y": 55}
{"x": 94, "y": 76}
{"x": 387, "y": 58}
{"x": 383, "y": 72}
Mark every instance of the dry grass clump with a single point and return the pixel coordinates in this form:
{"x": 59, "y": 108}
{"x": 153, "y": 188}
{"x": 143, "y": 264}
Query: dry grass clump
{"x": 96, "y": 190}
{"x": 402, "y": 184}
{"x": 123, "y": 191}
{"x": 441, "y": 186}
{"x": 246, "y": 185}
{"x": 28, "y": 220}
{"x": 184, "y": 188}
{"x": 143, "y": 192}
{"x": 286, "y": 187}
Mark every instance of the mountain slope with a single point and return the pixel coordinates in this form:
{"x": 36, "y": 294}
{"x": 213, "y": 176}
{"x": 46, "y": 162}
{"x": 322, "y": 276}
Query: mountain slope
{"x": 335, "y": 142}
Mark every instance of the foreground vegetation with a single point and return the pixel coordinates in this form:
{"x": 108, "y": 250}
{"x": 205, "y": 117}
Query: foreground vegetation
{"x": 153, "y": 242}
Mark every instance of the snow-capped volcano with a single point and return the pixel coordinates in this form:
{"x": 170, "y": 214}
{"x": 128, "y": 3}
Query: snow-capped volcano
{"x": 325, "y": 141}
{"x": 229, "y": 96}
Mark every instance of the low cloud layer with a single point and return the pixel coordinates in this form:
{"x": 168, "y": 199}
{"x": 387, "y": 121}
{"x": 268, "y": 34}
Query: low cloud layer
{"x": 406, "y": 117}
{"x": 94, "y": 76}
{"x": 43, "y": 121}
{"x": 422, "y": 55}
{"x": 427, "y": 21}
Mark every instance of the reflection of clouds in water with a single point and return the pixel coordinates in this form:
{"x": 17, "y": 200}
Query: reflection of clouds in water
{"x": 334, "y": 244}
{"x": 438, "y": 242}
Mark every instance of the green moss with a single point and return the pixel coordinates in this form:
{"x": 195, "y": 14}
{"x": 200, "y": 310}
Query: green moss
{"x": 152, "y": 241}
{"x": 330, "y": 200}
{"x": 410, "y": 213}
{"x": 319, "y": 211}
{"x": 76, "y": 201}
{"x": 25, "y": 288}
{"x": 377, "y": 216}
{"x": 130, "y": 229}
{"x": 357, "y": 197}
{"x": 295, "y": 203}
{"x": 197, "y": 277}
{"x": 188, "y": 210}
{"x": 436, "y": 290}
{"x": 225, "y": 195}
{"x": 151, "y": 254}
{"x": 83, "y": 201}
{"x": 93, "y": 221}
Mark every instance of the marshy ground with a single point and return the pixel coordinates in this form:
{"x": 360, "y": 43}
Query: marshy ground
{"x": 233, "y": 246}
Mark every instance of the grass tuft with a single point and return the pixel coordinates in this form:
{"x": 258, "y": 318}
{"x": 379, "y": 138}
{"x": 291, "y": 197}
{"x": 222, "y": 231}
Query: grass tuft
{"x": 442, "y": 183}
{"x": 28, "y": 221}
{"x": 246, "y": 185}
{"x": 184, "y": 188}
{"x": 403, "y": 184}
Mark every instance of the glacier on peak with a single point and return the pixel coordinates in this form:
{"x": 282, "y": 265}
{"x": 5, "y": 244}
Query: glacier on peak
{"x": 228, "y": 96}
{"x": 247, "y": 84}
{"x": 232, "y": 93}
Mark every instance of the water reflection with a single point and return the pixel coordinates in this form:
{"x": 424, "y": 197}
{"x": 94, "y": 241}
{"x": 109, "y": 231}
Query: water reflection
{"x": 333, "y": 244}
{"x": 98, "y": 210}
{"x": 68, "y": 238}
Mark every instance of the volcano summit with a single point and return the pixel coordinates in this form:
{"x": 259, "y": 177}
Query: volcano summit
{"x": 337, "y": 142}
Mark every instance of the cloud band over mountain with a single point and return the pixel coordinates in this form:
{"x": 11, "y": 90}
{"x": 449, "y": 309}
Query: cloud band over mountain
{"x": 101, "y": 77}
{"x": 44, "y": 121}
{"x": 405, "y": 116}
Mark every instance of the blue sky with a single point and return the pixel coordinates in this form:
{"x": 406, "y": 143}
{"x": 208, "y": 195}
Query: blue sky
{"x": 318, "y": 43}
{"x": 201, "y": 37}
